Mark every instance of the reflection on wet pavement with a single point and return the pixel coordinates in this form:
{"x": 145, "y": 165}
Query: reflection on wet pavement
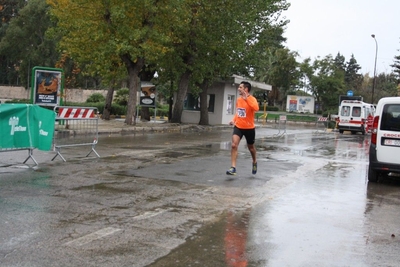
{"x": 236, "y": 239}
{"x": 221, "y": 243}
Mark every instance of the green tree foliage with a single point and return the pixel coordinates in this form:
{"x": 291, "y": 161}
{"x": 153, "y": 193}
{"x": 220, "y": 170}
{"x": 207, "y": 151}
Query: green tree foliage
{"x": 352, "y": 78}
{"x": 8, "y": 10}
{"x": 339, "y": 62}
{"x": 215, "y": 40}
{"x": 25, "y": 44}
{"x": 386, "y": 85}
{"x": 114, "y": 38}
{"x": 396, "y": 67}
{"x": 326, "y": 81}
{"x": 281, "y": 70}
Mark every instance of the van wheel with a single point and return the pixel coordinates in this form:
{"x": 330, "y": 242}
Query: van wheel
{"x": 353, "y": 132}
{"x": 341, "y": 131}
{"x": 372, "y": 175}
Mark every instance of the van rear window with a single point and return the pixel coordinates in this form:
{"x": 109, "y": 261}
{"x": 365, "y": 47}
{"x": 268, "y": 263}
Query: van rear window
{"x": 356, "y": 112}
{"x": 391, "y": 117}
{"x": 345, "y": 111}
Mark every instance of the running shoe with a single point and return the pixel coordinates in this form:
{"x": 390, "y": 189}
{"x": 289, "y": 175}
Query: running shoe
{"x": 254, "y": 169}
{"x": 231, "y": 171}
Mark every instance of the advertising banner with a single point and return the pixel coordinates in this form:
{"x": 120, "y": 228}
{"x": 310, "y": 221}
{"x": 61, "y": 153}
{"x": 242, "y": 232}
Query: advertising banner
{"x": 300, "y": 104}
{"x": 26, "y": 126}
{"x": 14, "y": 126}
{"x": 47, "y": 86}
{"x": 148, "y": 95}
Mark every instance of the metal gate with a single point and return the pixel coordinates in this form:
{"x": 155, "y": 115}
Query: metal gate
{"x": 321, "y": 121}
{"x": 75, "y": 126}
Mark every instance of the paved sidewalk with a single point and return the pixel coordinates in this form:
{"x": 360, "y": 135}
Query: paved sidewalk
{"x": 118, "y": 126}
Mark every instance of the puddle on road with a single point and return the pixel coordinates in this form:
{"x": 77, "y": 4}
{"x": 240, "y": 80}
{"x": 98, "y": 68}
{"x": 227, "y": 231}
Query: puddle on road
{"x": 221, "y": 243}
{"x": 142, "y": 147}
{"x": 107, "y": 187}
{"x": 173, "y": 154}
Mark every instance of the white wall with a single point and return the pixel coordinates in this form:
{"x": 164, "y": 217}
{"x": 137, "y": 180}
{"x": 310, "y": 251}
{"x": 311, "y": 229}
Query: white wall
{"x": 72, "y": 95}
{"x": 230, "y": 89}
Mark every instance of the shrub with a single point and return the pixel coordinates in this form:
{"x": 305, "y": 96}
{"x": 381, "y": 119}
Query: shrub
{"x": 95, "y": 98}
{"x": 122, "y": 97}
{"x": 162, "y": 110}
{"x": 272, "y": 108}
{"x": 117, "y": 109}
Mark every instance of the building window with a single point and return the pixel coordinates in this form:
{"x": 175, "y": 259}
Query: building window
{"x": 230, "y": 106}
{"x": 192, "y": 102}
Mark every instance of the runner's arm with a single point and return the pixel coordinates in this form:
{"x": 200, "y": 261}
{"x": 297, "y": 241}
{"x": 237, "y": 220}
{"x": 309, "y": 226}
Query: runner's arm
{"x": 252, "y": 102}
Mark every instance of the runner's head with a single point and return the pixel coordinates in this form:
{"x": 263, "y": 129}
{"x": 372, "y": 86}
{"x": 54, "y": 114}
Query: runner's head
{"x": 246, "y": 85}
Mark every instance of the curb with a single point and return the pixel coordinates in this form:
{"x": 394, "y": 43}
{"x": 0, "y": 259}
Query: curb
{"x": 112, "y": 127}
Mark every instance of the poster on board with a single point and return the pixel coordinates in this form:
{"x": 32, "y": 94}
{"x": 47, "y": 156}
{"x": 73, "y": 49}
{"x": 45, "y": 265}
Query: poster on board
{"x": 47, "y": 86}
{"x": 147, "y": 95}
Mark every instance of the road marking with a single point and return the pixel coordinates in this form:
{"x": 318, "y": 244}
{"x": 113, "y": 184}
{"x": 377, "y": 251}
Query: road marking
{"x": 92, "y": 237}
{"x": 149, "y": 214}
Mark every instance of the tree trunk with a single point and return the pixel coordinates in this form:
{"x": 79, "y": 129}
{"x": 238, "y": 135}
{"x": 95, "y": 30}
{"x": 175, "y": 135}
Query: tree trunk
{"x": 107, "y": 106}
{"x": 171, "y": 101}
{"x": 273, "y": 95}
{"x": 134, "y": 85}
{"x": 180, "y": 96}
{"x": 204, "y": 103}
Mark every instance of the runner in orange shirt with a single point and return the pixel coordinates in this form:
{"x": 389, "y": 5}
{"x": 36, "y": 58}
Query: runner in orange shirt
{"x": 243, "y": 121}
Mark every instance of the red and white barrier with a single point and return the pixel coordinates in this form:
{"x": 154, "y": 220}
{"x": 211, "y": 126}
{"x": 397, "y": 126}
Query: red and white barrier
{"x": 75, "y": 113}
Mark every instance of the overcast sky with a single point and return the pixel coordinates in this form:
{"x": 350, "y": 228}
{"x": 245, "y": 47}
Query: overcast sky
{"x": 323, "y": 27}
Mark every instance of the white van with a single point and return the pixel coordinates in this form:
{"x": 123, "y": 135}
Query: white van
{"x": 384, "y": 149}
{"x": 353, "y": 116}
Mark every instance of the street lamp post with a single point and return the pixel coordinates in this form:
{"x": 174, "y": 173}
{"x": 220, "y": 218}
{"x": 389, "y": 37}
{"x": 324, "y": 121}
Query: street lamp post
{"x": 376, "y": 55}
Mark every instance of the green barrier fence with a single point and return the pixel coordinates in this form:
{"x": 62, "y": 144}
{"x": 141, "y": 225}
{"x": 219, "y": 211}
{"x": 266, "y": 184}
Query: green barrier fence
{"x": 26, "y": 126}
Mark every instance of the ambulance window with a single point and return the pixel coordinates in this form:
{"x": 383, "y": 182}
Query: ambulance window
{"x": 356, "y": 112}
{"x": 345, "y": 111}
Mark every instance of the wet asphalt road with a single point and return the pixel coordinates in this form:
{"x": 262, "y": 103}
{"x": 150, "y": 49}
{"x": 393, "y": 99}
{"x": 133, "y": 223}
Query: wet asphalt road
{"x": 164, "y": 200}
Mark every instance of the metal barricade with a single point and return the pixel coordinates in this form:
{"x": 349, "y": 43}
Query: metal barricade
{"x": 323, "y": 121}
{"x": 30, "y": 153}
{"x": 282, "y": 124}
{"x": 75, "y": 126}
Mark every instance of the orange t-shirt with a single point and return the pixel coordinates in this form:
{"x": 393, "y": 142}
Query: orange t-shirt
{"x": 245, "y": 111}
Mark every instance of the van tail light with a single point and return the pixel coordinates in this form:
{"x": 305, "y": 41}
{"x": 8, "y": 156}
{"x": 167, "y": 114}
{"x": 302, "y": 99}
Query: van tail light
{"x": 374, "y": 131}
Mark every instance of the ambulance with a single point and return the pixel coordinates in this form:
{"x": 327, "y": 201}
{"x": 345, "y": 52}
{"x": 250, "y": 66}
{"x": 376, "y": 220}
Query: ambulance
{"x": 355, "y": 116}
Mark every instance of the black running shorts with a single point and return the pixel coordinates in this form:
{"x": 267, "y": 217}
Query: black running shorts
{"x": 249, "y": 134}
